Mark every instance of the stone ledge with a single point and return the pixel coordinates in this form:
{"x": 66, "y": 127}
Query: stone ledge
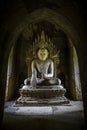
{"x": 27, "y": 101}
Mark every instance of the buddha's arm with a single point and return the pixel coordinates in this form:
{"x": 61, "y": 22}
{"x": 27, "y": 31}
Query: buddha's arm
{"x": 34, "y": 73}
{"x": 33, "y": 80}
{"x": 49, "y": 75}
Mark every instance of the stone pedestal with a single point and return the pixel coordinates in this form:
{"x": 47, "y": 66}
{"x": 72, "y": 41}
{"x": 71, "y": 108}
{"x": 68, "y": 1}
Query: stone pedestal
{"x": 45, "y": 95}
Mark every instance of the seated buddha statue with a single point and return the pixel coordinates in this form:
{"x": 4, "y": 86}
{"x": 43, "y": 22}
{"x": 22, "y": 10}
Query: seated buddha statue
{"x": 42, "y": 71}
{"x": 42, "y": 87}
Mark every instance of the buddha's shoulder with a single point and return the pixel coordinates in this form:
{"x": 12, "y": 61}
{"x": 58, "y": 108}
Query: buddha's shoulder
{"x": 35, "y": 61}
{"x": 50, "y": 60}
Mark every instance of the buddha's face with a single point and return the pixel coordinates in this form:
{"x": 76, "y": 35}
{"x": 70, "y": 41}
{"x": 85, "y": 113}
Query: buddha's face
{"x": 42, "y": 54}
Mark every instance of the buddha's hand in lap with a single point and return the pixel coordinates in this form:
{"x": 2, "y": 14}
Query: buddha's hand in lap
{"x": 48, "y": 76}
{"x": 40, "y": 80}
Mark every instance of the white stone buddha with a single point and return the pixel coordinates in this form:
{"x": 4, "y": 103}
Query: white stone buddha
{"x": 42, "y": 87}
{"x": 42, "y": 71}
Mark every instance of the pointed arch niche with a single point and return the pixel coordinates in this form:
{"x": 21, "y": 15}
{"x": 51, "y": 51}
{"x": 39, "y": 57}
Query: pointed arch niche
{"x": 67, "y": 69}
{"x": 63, "y": 35}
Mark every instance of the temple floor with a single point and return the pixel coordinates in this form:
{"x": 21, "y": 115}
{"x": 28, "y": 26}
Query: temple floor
{"x": 68, "y": 117}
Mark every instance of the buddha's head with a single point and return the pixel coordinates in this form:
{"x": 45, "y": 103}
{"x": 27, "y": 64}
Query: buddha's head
{"x": 42, "y": 54}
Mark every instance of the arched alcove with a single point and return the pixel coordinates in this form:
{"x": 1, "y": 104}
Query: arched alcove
{"x": 73, "y": 43}
{"x": 68, "y": 69}
{"x": 70, "y": 16}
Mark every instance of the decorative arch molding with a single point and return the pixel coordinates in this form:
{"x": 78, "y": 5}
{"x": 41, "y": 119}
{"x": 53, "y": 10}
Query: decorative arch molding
{"x": 51, "y": 16}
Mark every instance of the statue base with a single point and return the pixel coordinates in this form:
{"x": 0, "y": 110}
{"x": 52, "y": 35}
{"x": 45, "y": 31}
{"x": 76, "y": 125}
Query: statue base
{"x": 46, "y": 95}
